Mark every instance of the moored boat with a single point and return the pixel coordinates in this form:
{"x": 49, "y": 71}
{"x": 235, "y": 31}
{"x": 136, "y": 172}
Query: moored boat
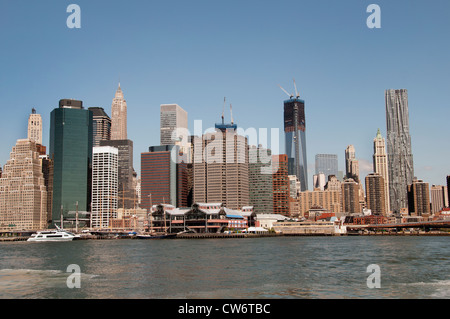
{"x": 156, "y": 236}
{"x": 53, "y": 235}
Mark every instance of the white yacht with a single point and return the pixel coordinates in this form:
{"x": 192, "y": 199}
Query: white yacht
{"x": 53, "y": 235}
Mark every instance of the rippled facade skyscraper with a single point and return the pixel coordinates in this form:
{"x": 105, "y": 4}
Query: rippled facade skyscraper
{"x": 400, "y": 158}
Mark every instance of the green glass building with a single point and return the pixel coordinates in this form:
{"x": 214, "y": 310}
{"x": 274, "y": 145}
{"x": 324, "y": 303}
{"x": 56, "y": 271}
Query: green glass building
{"x": 71, "y": 150}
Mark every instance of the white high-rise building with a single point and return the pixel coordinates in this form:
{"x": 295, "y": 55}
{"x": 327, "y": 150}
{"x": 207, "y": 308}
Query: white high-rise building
{"x": 119, "y": 116}
{"x": 35, "y": 127}
{"x": 319, "y": 181}
{"x": 380, "y": 165}
{"x": 172, "y": 117}
{"x": 104, "y": 185}
{"x": 351, "y": 163}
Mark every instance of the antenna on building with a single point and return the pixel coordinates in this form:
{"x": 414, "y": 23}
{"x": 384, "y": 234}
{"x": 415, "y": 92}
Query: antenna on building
{"x": 288, "y": 94}
{"x": 223, "y": 111}
{"x": 296, "y": 92}
{"x": 231, "y": 112}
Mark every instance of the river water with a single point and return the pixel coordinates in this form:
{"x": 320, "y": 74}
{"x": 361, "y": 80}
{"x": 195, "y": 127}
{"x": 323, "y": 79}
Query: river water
{"x": 278, "y": 267}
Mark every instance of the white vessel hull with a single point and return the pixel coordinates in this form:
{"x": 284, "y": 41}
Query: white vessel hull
{"x": 53, "y": 236}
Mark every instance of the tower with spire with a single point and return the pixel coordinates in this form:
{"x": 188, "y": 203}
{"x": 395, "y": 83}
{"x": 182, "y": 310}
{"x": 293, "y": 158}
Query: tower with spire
{"x": 380, "y": 164}
{"x": 119, "y": 116}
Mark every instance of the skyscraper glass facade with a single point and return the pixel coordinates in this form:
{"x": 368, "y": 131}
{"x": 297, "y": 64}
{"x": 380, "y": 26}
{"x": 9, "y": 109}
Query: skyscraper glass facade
{"x": 327, "y": 164}
{"x": 71, "y": 150}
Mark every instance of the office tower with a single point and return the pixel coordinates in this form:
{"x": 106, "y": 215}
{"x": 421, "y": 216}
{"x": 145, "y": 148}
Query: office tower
{"x": 35, "y": 127}
{"x": 172, "y": 116}
{"x": 327, "y": 164}
{"x": 71, "y": 151}
{"x": 163, "y": 181}
{"x": 319, "y": 181}
{"x": 23, "y": 195}
{"x": 119, "y": 116}
{"x": 127, "y": 197}
{"x": 294, "y": 186}
{"x": 400, "y": 159}
{"x": 260, "y": 179}
{"x": 47, "y": 170}
{"x": 380, "y": 165}
{"x": 220, "y": 168}
{"x": 295, "y": 139}
{"x": 439, "y": 198}
{"x": 419, "y": 197}
{"x": 281, "y": 189}
{"x": 105, "y": 169}
{"x": 101, "y": 125}
{"x": 351, "y": 164}
{"x": 350, "y": 196}
{"x": 375, "y": 194}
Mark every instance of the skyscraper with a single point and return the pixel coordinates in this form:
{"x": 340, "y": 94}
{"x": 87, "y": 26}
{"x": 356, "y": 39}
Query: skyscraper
{"x": 281, "y": 190}
{"x": 35, "y": 127}
{"x": 295, "y": 139}
{"x": 260, "y": 180}
{"x": 23, "y": 195}
{"x": 327, "y": 164}
{"x": 439, "y": 198}
{"x": 71, "y": 151}
{"x": 104, "y": 186}
{"x": 101, "y": 125}
{"x": 126, "y": 171}
{"x": 172, "y": 116}
{"x": 163, "y": 181}
{"x": 400, "y": 158}
{"x": 419, "y": 197}
{"x": 220, "y": 168}
{"x": 119, "y": 116}
{"x": 375, "y": 194}
{"x": 380, "y": 165}
{"x": 350, "y": 196}
{"x": 351, "y": 163}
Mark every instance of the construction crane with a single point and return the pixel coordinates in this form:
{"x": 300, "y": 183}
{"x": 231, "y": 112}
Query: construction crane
{"x": 296, "y": 92}
{"x": 288, "y": 94}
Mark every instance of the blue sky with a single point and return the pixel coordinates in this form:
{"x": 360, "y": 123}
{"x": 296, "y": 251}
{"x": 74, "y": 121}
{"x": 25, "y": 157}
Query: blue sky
{"x": 194, "y": 53}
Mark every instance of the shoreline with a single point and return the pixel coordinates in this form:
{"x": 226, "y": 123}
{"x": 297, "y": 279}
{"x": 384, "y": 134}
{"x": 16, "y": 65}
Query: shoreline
{"x": 233, "y": 236}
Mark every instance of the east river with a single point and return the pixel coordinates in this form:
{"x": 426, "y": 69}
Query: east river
{"x": 411, "y": 267}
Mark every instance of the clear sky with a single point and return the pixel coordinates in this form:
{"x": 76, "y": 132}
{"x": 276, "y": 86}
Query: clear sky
{"x": 194, "y": 53}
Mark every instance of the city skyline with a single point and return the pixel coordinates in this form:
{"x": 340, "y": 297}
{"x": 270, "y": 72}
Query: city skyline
{"x": 247, "y": 78}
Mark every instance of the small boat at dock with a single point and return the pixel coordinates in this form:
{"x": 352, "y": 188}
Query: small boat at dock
{"x": 156, "y": 236}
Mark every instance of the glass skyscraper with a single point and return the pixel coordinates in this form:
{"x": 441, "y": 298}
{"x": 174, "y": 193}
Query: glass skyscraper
{"x": 71, "y": 150}
{"x": 295, "y": 140}
{"x": 327, "y": 164}
{"x": 400, "y": 159}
